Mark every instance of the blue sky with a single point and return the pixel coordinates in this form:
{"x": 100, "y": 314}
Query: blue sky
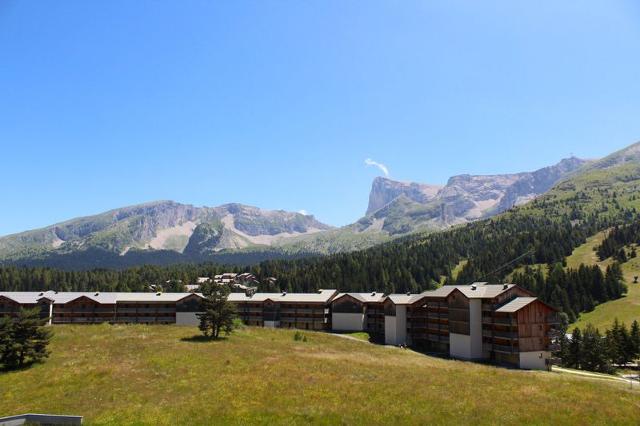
{"x": 279, "y": 103}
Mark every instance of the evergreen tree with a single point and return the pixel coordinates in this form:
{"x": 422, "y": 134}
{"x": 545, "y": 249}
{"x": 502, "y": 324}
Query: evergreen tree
{"x": 6, "y": 344}
{"x": 574, "y": 352}
{"x": 217, "y": 313}
{"x": 634, "y": 335}
{"x": 24, "y": 339}
{"x": 593, "y": 351}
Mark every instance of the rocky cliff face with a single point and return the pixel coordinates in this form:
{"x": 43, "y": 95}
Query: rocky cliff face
{"x": 384, "y": 190}
{"x": 406, "y": 207}
{"x": 164, "y": 225}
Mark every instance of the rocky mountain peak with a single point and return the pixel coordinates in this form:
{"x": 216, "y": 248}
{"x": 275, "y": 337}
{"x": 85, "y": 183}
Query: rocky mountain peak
{"x": 464, "y": 198}
{"x": 385, "y": 190}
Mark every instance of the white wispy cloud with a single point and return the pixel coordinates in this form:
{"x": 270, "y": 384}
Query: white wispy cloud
{"x": 370, "y": 162}
{"x": 304, "y": 212}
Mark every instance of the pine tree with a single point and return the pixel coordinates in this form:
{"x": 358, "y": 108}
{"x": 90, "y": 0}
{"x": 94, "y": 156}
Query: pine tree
{"x": 634, "y": 335}
{"x": 574, "y": 358}
{"x": 23, "y": 340}
{"x": 6, "y": 345}
{"x": 218, "y": 313}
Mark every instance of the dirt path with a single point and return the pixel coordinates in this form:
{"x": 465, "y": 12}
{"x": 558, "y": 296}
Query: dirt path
{"x": 633, "y": 383}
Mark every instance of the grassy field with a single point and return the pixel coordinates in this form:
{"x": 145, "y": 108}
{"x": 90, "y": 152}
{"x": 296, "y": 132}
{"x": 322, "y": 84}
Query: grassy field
{"x": 625, "y": 309}
{"x": 162, "y": 375}
{"x": 586, "y": 254}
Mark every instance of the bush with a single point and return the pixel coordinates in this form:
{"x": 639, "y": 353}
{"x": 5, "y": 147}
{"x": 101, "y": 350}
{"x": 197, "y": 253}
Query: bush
{"x": 299, "y": 337}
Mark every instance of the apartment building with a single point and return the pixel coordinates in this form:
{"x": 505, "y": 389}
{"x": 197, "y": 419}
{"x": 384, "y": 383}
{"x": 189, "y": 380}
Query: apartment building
{"x": 500, "y": 323}
{"x": 358, "y": 312}
{"x": 105, "y": 307}
{"x": 307, "y": 311}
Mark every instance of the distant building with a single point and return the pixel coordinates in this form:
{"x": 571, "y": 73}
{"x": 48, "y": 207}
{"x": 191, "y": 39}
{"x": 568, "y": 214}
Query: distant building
{"x": 240, "y": 282}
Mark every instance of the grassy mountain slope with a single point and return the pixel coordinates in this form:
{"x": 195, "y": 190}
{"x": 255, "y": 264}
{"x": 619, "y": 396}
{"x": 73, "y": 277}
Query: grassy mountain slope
{"x": 161, "y": 375}
{"x": 626, "y": 309}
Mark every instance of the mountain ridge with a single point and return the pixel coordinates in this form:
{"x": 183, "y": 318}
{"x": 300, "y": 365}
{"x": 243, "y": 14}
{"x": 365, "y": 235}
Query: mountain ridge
{"x": 164, "y": 225}
{"x": 464, "y": 198}
{"x": 163, "y": 232}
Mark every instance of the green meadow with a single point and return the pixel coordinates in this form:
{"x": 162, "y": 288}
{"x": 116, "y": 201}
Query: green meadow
{"x": 163, "y": 375}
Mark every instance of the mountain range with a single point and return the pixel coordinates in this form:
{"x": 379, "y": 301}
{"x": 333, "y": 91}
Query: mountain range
{"x": 404, "y": 207}
{"x": 169, "y": 232}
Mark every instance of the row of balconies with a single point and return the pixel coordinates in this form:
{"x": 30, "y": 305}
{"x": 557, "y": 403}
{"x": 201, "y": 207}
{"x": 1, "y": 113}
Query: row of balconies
{"x": 499, "y": 320}
{"x": 303, "y": 311}
{"x": 76, "y": 320}
{"x": 255, "y": 310}
{"x": 144, "y": 319}
{"x": 75, "y": 309}
{"x": 500, "y": 334}
{"x": 146, "y": 310}
{"x": 303, "y": 320}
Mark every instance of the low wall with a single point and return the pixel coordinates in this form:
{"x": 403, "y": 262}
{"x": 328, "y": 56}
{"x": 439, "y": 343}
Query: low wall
{"x": 187, "y": 318}
{"x": 347, "y": 322}
{"x": 459, "y": 346}
{"x": 534, "y": 360}
{"x": 40, "y": 419}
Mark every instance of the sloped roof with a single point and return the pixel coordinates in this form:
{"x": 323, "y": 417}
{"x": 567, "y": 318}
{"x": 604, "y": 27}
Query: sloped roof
{"x": 322, "y": 296}
{"x": 403, "y": 299}
{"x": 371, "y": 297}
{"x": 516, "y": 304}
{"x": 484, "y": 290}
{"x": 107, "y": 298}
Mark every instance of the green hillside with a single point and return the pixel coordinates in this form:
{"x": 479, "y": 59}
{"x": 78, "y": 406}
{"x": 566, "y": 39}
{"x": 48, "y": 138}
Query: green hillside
{"x": 626, "y": 309}
{"x": 161, "y": 375}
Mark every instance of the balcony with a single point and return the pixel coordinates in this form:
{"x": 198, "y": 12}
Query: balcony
{"x": 438, "y": 338}
{"x": 505, "y": 349}
{"x": 83, "y": 312}
{"x": 302, "y": 311}
{"x": 504, "y": 321}
{"x": 505, "y": 334}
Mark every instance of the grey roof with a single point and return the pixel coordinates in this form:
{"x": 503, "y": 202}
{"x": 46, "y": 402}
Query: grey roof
{"x": 403, "y": 299}
{"x": 484, "y": 290}
{"x": 371, "y": 297}
{"x": 31, "y": 297}
{"x": 472, "y": 291}
{"x": 516, "y": 304}
{"x": 322, "y": 296}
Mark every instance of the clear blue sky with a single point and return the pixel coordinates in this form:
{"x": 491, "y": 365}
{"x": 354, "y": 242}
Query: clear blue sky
{"x": 278, "y": 103}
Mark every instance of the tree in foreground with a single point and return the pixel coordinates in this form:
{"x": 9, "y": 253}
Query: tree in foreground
{"x": 218, "y": 314}
{"x": 24, "y": 339}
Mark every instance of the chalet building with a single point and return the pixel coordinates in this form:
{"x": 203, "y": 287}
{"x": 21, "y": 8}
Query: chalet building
{"x": 307, "y": 311}
{"x": 499, "y": 323}
{"x": 358, "y": 312}
{"x": 99, "y": 307}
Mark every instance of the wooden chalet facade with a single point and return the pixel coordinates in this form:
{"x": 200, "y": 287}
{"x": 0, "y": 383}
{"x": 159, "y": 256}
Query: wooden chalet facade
{"x": 503, "y": 323}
